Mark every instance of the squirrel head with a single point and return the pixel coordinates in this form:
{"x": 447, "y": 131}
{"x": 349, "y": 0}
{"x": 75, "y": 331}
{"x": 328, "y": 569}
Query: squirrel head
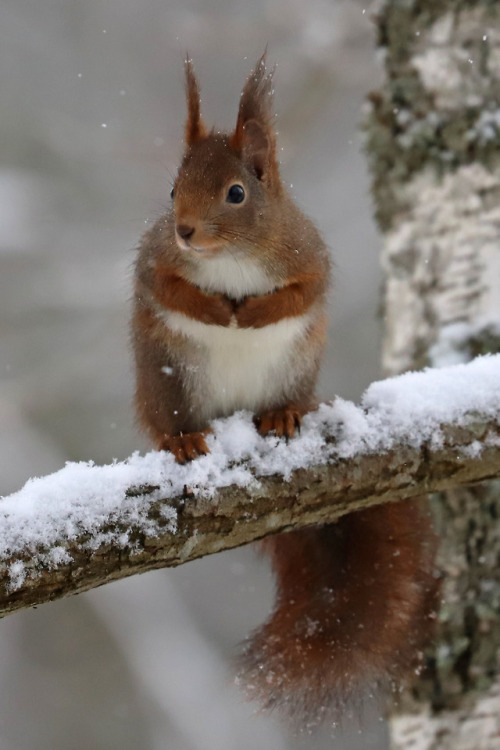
{"x": 228, "y": 188}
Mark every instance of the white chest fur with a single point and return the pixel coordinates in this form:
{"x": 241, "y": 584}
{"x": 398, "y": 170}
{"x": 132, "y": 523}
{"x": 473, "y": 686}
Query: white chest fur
{"x": 231, "y": 273}
{"x": 242, "y": 368}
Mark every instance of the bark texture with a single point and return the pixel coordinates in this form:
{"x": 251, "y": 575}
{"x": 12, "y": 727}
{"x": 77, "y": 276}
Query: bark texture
{"x": 236, "y": 516}
{"x": 433, "y": 138}
{"x": 478, "y": 723}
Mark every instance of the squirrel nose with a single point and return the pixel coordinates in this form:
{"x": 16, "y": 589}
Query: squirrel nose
{"x": 185, "y": 231}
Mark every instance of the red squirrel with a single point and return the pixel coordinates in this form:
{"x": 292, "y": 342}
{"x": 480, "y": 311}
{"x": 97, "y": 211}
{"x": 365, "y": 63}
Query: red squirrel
{"x": 230, "y": 313}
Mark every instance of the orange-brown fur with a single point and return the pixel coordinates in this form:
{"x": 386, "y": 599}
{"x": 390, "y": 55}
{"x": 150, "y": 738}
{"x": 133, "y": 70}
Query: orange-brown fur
{"x": 175, "y": 293}
{"x": 283, "y": 422}
{"x": 186, "y": 447}
{"x": 244, "y": 282}
{"x": 353, "y": 610}
{"x": 289, "y": 301}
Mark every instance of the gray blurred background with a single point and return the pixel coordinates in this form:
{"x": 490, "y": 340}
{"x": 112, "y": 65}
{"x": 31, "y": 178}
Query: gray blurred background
{"x": 92, "y": 112}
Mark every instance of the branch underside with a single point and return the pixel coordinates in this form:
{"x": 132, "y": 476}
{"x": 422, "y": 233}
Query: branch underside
{"x": 236, "y": 516}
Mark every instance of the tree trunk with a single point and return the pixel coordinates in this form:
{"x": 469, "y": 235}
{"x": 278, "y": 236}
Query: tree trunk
{"x": 433, "y": 138}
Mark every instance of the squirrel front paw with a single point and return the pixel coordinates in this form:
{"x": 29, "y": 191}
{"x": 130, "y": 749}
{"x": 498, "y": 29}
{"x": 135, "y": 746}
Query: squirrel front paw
{"x": 283, "y": 422}
{"x": 249, "y": 313}
{"x": 186, "y": 447}
{"x": 219, "y": 312}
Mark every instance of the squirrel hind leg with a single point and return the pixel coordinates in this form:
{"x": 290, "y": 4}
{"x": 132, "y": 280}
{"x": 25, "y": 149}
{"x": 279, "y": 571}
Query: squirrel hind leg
{"x": 185, "y": 447}
{"x": 283, "y": 422}
{"x": 354, "y": 609}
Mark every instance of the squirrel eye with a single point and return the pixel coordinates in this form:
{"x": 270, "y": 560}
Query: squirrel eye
{"x": 172, "y": 193}
{"x": 235, "y": 194}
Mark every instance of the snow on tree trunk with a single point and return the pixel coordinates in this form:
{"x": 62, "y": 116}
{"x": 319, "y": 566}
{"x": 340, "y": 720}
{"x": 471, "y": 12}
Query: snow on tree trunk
{"x": 475, "y": 727}
{"x": 433, "y": 138}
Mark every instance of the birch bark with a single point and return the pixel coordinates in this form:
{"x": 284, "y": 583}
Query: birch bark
{"x": 433, "y": 137}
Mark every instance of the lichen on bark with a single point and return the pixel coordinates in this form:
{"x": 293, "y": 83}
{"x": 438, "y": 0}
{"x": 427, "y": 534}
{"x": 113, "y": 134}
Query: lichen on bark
{"x": 440, "y": 101}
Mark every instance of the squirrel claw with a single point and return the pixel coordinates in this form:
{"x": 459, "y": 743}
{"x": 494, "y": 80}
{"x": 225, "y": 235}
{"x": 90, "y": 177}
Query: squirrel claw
{"x": 186, "y": 447}
{"x": 283, "y": 422}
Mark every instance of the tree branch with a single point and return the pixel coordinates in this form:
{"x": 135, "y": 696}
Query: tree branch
{"x": 62, "y": 535}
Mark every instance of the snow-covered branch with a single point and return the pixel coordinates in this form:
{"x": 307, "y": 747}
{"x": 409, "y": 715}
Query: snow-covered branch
{"x": 87, "y": 525}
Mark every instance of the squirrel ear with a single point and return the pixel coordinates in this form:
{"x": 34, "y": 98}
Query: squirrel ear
{"x": 195, "y": 128}
{"x": 254, "y": 135}
{"x": 256, "y": 147}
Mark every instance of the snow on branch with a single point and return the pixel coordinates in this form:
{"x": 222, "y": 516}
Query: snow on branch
{"x": 87, "y": 525}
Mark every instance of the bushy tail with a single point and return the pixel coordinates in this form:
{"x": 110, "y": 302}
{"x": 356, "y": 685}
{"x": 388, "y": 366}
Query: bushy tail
{"x": 355, "y": 604}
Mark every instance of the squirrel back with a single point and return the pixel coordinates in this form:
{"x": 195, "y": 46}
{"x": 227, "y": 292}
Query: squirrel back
{"x": 230, "y": 313}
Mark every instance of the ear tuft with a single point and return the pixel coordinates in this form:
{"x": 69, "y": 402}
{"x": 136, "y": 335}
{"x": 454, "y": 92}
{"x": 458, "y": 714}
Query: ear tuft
{"x": 254, "y": 135}
{"x": 195, "y": 128}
